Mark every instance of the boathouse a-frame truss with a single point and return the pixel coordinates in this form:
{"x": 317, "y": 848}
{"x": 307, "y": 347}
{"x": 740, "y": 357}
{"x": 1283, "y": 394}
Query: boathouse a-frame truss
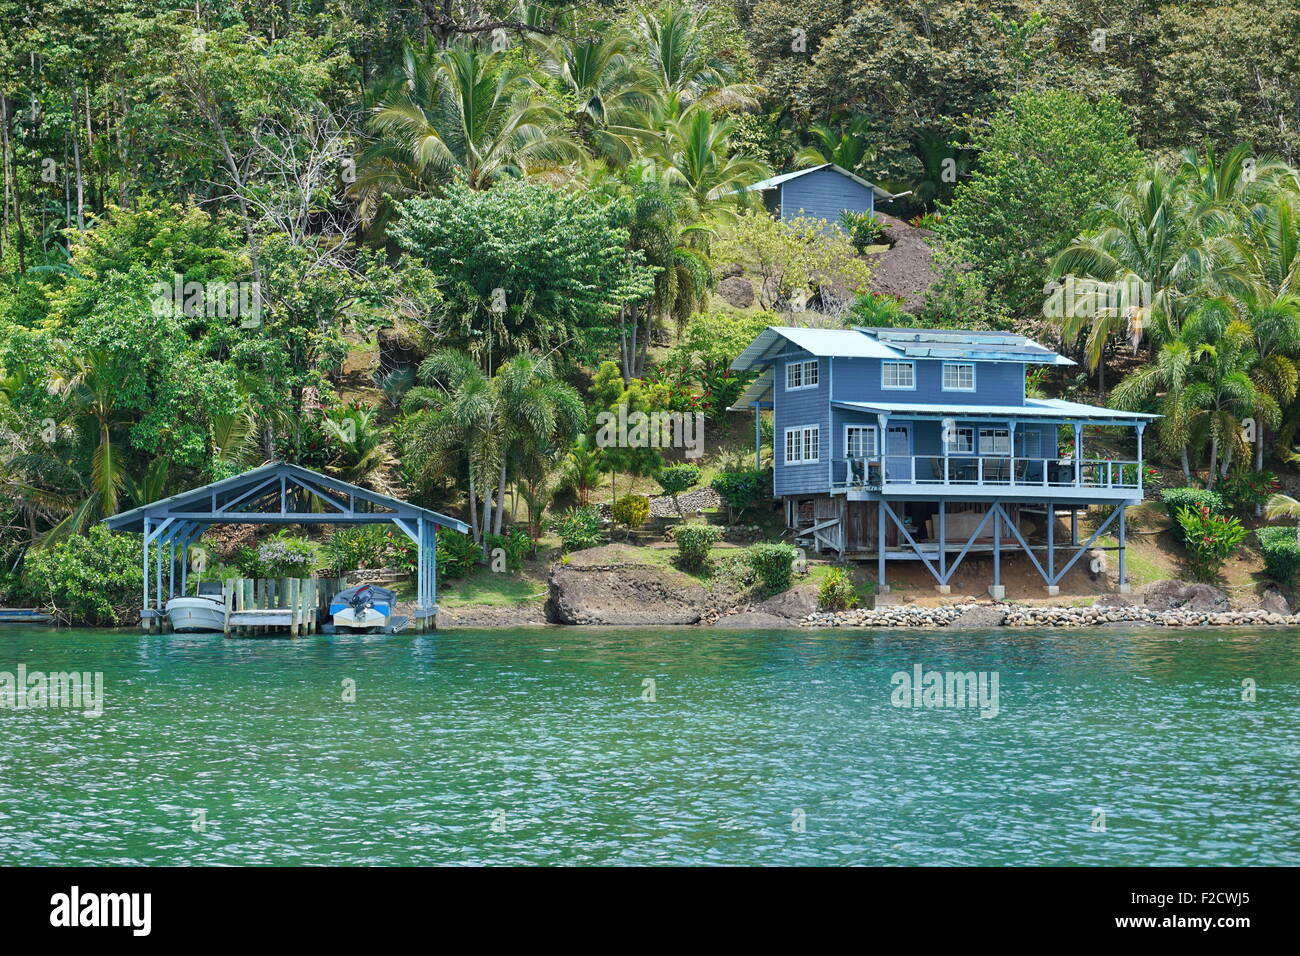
{"x": 275, "y": 493}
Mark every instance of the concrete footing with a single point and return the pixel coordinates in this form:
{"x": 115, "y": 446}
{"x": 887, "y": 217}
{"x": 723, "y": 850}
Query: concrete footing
{"x": 1053, "y": 590}
{"x": 1126, "y": 589}
{"x": 998, "y": 592}
{"x": 943, "y": 588}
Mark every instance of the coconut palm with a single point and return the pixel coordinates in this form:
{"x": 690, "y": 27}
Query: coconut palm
{"x": 452, "y": 414}
{"x": 452, "y": 112}
{"x": 675, "y": 43}
{"x": 610, "y": 93}
{"x": 1135, "y": 270}
{"x": 695, "y": 160}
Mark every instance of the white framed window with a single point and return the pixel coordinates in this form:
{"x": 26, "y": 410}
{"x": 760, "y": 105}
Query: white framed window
{"x": 1031, "y": 444}
{"x": 897, "y": 374}
{"x": 803, "y": 444}
{"x": 959, "y": 376}
{"x": 995, "y": 441}
{"x": 960, "y": 440}
{"x": 859, "y": 441}
{"x": 801, "y": 375}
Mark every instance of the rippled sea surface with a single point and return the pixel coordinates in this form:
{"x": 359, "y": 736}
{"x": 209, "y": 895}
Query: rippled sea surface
{"x": 540, "y": 746}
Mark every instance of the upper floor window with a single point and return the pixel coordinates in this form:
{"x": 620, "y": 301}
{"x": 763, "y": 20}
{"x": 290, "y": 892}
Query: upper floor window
{"x": 959, "y": 376}
{"x": 995, "y": 441}
{"x": 802, "y": 444}
{"x": 897, "y": 375}
{"x": 801, "y": 375}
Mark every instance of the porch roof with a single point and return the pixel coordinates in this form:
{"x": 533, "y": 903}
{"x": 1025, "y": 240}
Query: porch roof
{"x": 759, "y": 390}
{"x": 1045, "y": 408}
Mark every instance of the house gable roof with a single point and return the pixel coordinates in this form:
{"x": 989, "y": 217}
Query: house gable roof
{"x": 896, "y": 343}
{"x": 775, "y": 181}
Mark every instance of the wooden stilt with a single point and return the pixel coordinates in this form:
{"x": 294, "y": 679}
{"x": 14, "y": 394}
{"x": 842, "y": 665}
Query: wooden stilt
{"x": 227, "y": 598}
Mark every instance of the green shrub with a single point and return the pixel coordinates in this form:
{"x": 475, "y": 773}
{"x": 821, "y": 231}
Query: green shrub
{"x": 864, "y": 228}
{"x": 578, "y": 528}
{"x": 1242, "y": 489}
{"x": 93, "y": 578}
{"x": 741, "y": 489}
{"x": 1175, "y": 499}
{"x": 631, "y": 510}
{"x": 1281, "y": 551}
{"x": 351, "y": 549}
{"x": 693, "y": 544}
{"x": 1209, "y": 539}
{"x": 837, "y": 592}
{"x": 676, "y": 479}
{"x": 457, "y": 554}
{"x": 774, "y": 565}
{"x": 514, "y": 544}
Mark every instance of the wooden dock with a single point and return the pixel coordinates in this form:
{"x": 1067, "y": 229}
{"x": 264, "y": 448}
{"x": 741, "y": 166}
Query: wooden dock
{"x": 271, "y": 606}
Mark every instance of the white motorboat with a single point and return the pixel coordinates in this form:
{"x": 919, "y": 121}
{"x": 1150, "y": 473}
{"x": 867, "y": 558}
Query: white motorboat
{"x": 206, "y": 611}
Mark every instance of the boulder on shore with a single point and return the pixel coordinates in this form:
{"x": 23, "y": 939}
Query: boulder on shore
{"x": 980, "y": 615}
{"x": 623, "y": 594}
{"x": 1185, "y": 595}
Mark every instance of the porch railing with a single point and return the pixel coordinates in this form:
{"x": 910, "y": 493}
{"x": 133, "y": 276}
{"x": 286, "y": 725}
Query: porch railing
{"x": 871, "y": 472}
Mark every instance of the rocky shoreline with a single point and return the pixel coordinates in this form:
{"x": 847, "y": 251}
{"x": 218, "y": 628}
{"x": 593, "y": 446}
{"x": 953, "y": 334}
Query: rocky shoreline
{"x": 601, "y": 588}
{"x": 992, "y": 615}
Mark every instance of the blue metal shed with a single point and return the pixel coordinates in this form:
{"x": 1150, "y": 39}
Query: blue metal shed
{"x": 819, "y": 192}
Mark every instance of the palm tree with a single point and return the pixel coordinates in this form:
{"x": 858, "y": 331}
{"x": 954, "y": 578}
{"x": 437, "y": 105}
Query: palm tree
{"x": 89, "y": 384}
{"x": 456, "y": 112}
{"x": 847, "y": 149}
{"x": 454, "y": 422}
{"x": 583, "y": 467}
{"x": 675, "y": 43}
{"x": 1135, "y": 269}
{"x": 1160, "y": 386}
{"x": 541, "y": 416}
{"x": 363, "y": 453}
{"x": 694, "y": 159}
{"x": 1222, "y": 393}
{"x": 610, "y": 93}
{"x": 1283, "y": 506}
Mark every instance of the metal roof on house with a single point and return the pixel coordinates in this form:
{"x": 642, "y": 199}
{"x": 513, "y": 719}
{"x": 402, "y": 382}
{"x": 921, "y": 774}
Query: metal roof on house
{"x": 897, "y": 343}
{"x": 774, "y": 181}
{"x": 959, "y": 344}
{"x": 837, "y": 343}
{"x": 1048, "y": 408}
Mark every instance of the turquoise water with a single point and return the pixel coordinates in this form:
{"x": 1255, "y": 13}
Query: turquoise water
{"x": 536, "y": 746}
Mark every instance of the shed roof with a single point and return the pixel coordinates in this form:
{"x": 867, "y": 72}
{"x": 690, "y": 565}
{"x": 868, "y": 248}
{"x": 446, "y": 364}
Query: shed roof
{"x": 774, "y": 181}
{"x": 838, "y": 343}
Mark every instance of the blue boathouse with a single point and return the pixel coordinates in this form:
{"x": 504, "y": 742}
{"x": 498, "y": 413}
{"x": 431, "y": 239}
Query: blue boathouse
{"x": 922, "y": 445}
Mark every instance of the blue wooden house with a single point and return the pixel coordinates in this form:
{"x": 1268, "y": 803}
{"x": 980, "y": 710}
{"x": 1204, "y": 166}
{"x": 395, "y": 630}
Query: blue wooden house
{"x": 819, "y": 192}
{"x": 922, "y": 445}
